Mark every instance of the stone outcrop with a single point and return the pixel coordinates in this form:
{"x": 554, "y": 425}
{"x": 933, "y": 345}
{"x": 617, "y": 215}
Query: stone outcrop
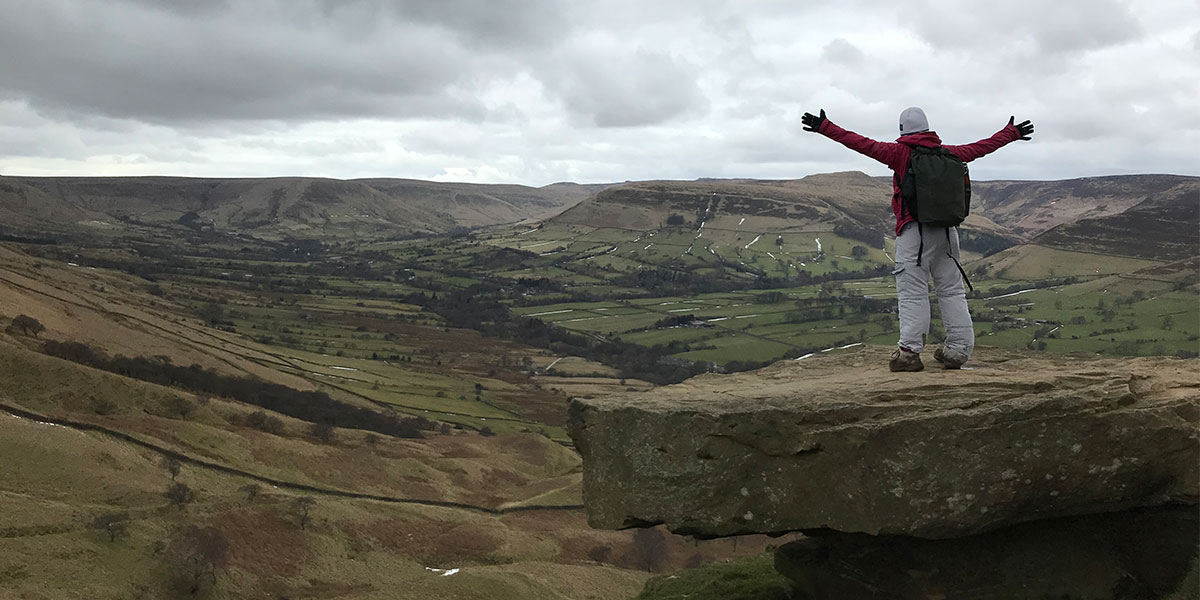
{"x": 840, "y": 443}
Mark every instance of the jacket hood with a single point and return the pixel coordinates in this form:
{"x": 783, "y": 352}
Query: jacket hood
{"x": 928, "y": 139}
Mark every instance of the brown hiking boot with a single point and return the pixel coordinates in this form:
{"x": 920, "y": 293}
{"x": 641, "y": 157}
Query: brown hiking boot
{"x": 947, "y": 362}
{"x": 903, "y": 360}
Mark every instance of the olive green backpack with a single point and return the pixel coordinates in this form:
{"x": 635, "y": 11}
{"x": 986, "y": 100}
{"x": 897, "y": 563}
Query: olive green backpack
{"x": 936, "y": 189}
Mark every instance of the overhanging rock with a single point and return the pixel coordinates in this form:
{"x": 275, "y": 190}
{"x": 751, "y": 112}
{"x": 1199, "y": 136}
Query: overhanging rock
{"x": 841, "y": 443}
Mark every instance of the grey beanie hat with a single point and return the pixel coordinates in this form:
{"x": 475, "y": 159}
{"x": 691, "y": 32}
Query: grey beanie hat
{"x": 913, "y": 120}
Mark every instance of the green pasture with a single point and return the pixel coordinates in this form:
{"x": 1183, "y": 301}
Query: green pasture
{"x": 1030, "y": 261}
{"x": 737, "y": 347}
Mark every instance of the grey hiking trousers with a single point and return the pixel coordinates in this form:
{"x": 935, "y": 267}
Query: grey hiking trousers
{"x": 912, "y": 290}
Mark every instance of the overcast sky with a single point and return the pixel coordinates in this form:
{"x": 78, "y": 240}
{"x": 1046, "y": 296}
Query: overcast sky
{"x": 539, "y": 91}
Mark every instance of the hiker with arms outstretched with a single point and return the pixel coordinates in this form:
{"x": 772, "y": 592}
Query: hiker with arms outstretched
{"x": 929, "y": 204}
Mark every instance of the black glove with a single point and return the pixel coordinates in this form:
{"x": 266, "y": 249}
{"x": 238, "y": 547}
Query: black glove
{"x": 813, "y": 122}
{"x": 1025, "y": 127}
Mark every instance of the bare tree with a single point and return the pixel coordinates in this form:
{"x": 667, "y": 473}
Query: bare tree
{"x": 302, "y": 506}
{"x": 172, "y": 465}
{"x": 114, "y": 524}
{"x": 27, "y": 325}
{"x": 180, "y": 494}
{"x": 323, "y": 432}
{"x": 180, "y": 406}
{"x": 251, "y": 491}
{"x": 103, "y": 405}
{"x": 650, "y": 549}
{"x": 196, "y": 555}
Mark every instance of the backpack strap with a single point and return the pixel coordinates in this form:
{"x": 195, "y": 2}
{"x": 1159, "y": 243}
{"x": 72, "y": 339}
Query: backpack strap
{"x": 921, "y": 246}
{"x": 956, "y": 263}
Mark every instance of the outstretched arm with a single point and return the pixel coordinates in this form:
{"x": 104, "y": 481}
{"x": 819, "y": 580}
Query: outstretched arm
{"x": 1010, "y": 133}
{"x": 888, "y": 153}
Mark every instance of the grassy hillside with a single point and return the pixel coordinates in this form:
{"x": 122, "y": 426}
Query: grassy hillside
{"x": 380, "y": 353}
{"x": 354, "y": 515}
{"x": 1029, "y": 208}
{"x": 91, "y": 443}
{"x": 274, "y": 208}
{"x": 1160, "y": 228}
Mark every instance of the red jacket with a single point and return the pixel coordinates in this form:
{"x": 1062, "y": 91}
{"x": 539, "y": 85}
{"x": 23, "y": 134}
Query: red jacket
{"x": 895, "y": 154}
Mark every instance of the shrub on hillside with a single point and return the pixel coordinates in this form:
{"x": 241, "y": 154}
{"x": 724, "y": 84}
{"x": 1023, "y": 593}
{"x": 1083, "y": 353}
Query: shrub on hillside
{"x": 650, "y": 549}
{"x": 25, "y": 325}
{"x": 195, "y": 557}
{"x": 323, "y": 432}
{"x": 113, "y": 524}
{"x": 251, "y": 491}
{"x": 103, "y": 405}
{"x": 261, "y": 421}
{"x": 739, "y": 579}
{"x": 179, "y": 406}
{"x": 180, "y": 494}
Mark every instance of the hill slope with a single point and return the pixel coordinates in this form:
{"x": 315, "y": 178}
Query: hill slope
{"x": 851, "y": 198}
{"x": 1163, "y": 227}
{"x": 1029, "y": 208}
{"x": 278, "y": 207}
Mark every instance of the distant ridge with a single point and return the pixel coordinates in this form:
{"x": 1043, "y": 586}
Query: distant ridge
{"x": 282, "y": 207}
{"x": 278, "y": 207}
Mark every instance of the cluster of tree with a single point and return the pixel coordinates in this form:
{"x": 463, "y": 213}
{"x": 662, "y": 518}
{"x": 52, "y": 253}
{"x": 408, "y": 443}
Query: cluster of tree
{"x": 196, "y": 555}
{"x": 983, "y": 242}
{"x": 807, "y": 315}
{"x": 480, "y": 307}
{"x": 193, "y": 221}
{"x": 496, "y": 259}
{"x": 674, "y": 321}
{"x": 773, "y": 297}
{"x": 312, "y": 406}
{"x": 854, "y": 308}
{"x": 6, "y": 236}
{"x": 685, "y": 282}
{"x": 871, "y": 236}
{"x": 1033, "y": 285}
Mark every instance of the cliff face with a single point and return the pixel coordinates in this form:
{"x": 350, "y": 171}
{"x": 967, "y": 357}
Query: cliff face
{"x": 841, "y": 443}
{"x": 862, "y": 458}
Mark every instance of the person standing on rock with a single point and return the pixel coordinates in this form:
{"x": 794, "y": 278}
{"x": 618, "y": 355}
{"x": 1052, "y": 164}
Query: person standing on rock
{"x": 925, "y": 246}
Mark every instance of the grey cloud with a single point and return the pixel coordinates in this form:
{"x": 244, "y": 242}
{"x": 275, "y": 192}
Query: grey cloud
{"x": 1098, "y": 25}
{"x": 615, "y": 90}
{"x": 1054, "y": 28}
{"x": 842, "y": 52}
{"x": 543, "y": 90}
{"x": 248, "y": 61}
{"x": 484, "y": 23}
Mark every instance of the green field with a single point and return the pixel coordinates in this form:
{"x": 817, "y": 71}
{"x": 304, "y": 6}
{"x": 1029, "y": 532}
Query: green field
{"x": 1018, "y": 306}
